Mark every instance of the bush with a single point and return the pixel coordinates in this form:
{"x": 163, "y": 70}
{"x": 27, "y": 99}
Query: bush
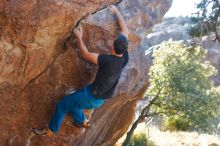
{"x": 176, "y": 123}
{"x": 140, "y": 139}
{"x": 180, "y": 85}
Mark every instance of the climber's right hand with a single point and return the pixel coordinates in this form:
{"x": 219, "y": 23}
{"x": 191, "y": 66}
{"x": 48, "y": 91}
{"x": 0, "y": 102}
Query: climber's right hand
{"x": 78, "y": 32}
{"x": 113, "y": 9}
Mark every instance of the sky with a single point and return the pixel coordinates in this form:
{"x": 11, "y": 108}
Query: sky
{"x": 182, "y": 8}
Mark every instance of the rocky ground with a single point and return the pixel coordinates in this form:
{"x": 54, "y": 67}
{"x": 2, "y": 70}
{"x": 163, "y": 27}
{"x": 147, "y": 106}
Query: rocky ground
{"x": 166, "y": 138}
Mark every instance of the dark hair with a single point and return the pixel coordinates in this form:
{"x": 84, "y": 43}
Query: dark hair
{"x": 121, "y": 44}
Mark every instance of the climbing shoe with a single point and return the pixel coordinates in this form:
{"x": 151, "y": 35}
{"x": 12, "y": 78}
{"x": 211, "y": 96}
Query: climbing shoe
{"x": 43, "y": 131}
{"x": 85, "y": 124}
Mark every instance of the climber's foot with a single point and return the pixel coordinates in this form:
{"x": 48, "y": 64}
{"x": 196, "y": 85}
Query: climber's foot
{"x": 43, "y": 131}
{"x": 85, "y": 124}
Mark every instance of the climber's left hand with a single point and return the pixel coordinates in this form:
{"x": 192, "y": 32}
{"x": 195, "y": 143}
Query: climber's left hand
{"x": 78, "y": 32}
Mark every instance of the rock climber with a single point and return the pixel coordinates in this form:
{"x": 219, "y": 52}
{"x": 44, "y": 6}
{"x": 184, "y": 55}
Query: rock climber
{"x": 93, "y": 96}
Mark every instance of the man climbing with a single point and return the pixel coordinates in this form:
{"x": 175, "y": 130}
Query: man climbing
{"x": 93, "y": 96}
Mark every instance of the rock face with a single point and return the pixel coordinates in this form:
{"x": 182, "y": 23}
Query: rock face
{"x": 178, "y": 29}
{"x": 39, "y": 61}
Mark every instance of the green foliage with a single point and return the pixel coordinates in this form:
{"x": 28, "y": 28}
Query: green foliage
{"x": 206, "y": 20}
{"x": 176, "y": 123}
{"x": 181, "y": 76}
{"x": 140, "y": 139}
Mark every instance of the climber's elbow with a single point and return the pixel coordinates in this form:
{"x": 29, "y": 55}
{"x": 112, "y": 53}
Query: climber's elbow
{"x": 84, "y": 54}
{"x": 91, "y": 57}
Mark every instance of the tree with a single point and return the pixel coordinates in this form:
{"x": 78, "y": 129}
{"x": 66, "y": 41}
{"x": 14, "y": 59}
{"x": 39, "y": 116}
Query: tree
{"x": 207, "y": 19}
{"x": 180, "y": 85}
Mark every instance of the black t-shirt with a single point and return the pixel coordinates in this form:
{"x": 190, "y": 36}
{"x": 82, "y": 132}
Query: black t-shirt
{"x": 108, "y": 74}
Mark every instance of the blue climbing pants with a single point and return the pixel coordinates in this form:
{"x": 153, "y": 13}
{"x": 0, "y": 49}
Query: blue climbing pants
{"x": 74, "y": 104}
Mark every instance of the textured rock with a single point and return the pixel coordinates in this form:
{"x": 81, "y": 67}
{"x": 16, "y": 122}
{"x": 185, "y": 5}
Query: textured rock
{"x": 177, "y": 29}
{"x": 39, "y": 62}
{"x": 170, "y": 28}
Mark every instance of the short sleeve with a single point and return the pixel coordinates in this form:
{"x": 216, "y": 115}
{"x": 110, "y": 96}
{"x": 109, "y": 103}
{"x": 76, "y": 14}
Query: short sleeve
{"x": 102, "y": 59}
{"x": 124, "y": 36}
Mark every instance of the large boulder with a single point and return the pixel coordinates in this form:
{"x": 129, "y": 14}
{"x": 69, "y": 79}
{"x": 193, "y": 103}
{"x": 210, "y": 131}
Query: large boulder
{"x": 40, "y": 61}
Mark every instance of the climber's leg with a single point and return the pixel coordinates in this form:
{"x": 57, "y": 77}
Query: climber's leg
{"x": 79, "y": 119}
{"x": 78, "y": 116}
{"x": 74, "y": 103}
{"x": 57, "y": 118}
{"x": 67, "y": 104}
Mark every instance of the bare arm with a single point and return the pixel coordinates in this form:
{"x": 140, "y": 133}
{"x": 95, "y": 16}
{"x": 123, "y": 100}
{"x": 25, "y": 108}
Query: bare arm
{"x": 91, "y": 57}
{"x": 121, "y": 21}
